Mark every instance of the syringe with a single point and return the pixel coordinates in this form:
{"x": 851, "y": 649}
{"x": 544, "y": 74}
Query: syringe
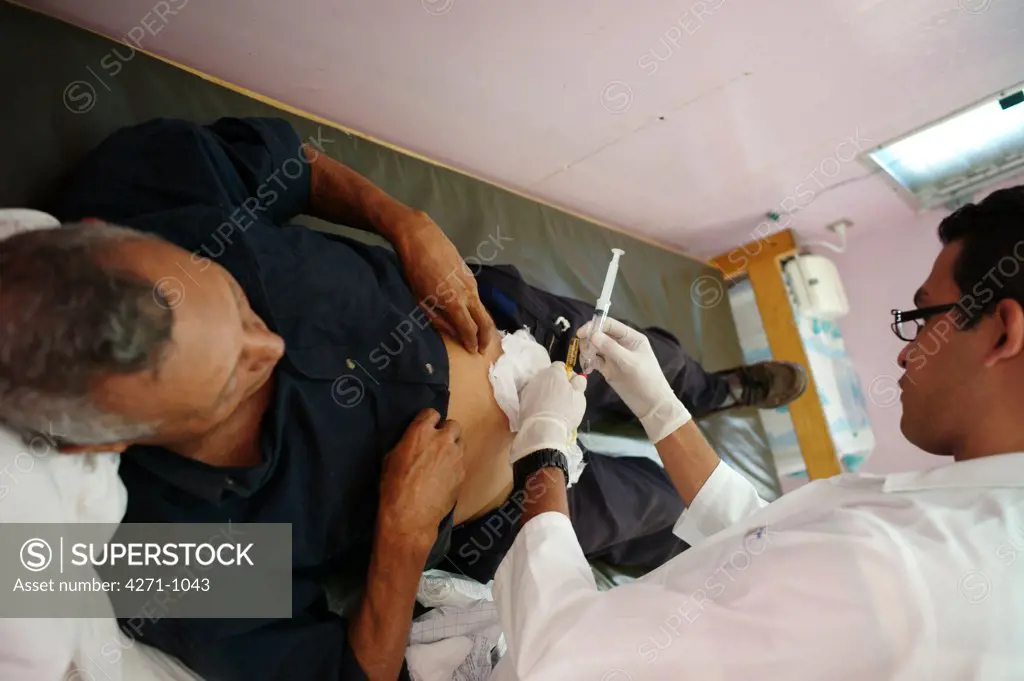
{"x": 600, "y": 312}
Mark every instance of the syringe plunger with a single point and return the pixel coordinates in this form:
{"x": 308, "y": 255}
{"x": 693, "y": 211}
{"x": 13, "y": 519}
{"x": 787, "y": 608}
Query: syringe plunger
{"x": 601, "y": 311}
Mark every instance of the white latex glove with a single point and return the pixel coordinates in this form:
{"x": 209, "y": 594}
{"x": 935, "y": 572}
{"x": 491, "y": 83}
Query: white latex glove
{"x": 625, "y": 359}
{"x": 550, "y": 408}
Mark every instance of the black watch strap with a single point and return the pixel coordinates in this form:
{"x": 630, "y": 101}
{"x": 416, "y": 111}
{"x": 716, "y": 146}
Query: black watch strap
{"x": 531, "y": 463}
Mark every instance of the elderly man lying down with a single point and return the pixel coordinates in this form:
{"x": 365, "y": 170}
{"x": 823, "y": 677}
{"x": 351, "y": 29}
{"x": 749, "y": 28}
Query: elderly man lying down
{"x": 250, "y": 371}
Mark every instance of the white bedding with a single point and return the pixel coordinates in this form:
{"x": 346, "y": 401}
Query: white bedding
{"x": 39, "y": 485}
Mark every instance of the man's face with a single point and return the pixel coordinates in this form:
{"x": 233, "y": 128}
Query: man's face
{"x": 220, "y": 352}
{"x": 941, "y": 366}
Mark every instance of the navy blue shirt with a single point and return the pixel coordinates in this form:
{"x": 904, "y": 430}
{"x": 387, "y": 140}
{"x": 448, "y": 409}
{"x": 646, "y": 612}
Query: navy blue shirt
{"x": 360, "y": 362}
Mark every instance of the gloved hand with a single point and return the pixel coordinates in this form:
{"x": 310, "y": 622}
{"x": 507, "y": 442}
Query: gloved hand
{"x": 550, "y": 410}
{"x": 625, "y": 359}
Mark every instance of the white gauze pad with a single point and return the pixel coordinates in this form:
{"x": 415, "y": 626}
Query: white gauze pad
{"x": 523, "y": 359}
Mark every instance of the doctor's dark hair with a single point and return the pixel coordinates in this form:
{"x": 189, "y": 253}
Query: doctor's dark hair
{"x": 990, "y": 266}
{"x": 66, "y": 319}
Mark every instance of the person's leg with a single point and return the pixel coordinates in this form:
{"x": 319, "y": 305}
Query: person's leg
{"x": 623, "y": 510}
{"x": 764, "y": 385}
{"x": 647, "y": 552}
{"x": 554, "y": 320}
{"x": 700, "y": 391}
{"x": 478, "y": 546}
{"x": 513, "y": 302}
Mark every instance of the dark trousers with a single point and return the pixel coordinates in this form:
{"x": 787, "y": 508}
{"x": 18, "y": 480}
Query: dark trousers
{"x": 623, "y": 508}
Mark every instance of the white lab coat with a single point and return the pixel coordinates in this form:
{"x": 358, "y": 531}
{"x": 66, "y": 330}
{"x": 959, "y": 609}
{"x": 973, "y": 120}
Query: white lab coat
{"x": 915, "y": 576}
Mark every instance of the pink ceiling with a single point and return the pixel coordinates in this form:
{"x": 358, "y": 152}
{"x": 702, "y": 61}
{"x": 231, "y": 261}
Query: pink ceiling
{"x": 681, "y": 121}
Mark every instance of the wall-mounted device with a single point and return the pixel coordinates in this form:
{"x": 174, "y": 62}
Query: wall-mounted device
{"x": 816, "y": 287}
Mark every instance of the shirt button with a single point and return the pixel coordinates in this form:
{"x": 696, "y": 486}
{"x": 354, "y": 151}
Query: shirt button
{"x": 429, "y": 367}
{"x": 230, "y": 482}
{"x": 350, "y": 364}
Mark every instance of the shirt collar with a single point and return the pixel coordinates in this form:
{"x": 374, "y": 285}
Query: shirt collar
{"x": 214, "y": 484}
{"x": 999, "y": 470}
{"x": 210, "y": 483}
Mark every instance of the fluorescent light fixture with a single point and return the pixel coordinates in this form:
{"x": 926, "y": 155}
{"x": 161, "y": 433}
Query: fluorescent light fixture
{"x": 947, "y": 161}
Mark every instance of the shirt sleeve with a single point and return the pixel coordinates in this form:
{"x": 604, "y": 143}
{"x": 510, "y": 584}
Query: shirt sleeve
{"x": 540, "y": 588}
{"x": 300, "y": 648}
{"x": 726, "y": 498}
{"x": 253, "y": 164}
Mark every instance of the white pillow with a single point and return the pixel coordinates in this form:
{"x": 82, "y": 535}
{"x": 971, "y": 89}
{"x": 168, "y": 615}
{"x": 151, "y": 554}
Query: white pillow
{"x": 14, "y": 220}
{"x": 39, "y": 485}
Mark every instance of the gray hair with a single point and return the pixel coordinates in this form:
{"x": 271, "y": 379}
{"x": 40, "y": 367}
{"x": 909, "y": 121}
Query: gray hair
{"x": 66, "y": 319}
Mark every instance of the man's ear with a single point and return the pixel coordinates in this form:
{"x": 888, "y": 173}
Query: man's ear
{"x": 113, "y": 447}
{"x": 1009, "y": 316}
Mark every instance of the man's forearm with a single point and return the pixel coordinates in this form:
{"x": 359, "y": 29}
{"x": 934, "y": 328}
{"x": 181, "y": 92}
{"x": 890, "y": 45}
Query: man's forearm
{"x": 341, "y": 195}
{"x": 689, "y": 460}
{"x": 379, "y": 633}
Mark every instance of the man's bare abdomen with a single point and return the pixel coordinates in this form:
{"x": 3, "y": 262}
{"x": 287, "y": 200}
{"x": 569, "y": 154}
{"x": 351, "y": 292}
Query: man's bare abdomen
{"x": 485, "y": 430}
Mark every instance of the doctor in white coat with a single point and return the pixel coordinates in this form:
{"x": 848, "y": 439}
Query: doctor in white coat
{"x": 856, "y": 578}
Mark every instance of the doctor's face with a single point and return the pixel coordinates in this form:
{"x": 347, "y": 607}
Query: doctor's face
{"x": 940, "y": 390}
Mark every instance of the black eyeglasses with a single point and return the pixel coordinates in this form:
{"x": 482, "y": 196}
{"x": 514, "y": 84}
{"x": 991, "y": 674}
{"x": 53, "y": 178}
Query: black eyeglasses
{"x": 907, "y": 324}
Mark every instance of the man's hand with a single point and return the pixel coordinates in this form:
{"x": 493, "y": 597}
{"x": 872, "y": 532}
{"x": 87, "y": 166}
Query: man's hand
{"x": 442, "y": 281}
{"x": 421, "y": 479}
{"x": 418, "y": 487}
{"x": 625, "y": 359}
{"x": 439, "y": 278}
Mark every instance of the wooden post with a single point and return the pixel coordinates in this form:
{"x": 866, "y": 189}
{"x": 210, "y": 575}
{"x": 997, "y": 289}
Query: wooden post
{"x": 760, "y": 261}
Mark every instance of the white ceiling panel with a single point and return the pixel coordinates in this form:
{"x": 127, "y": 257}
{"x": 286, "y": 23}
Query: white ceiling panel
{"x": 680, "y": 121}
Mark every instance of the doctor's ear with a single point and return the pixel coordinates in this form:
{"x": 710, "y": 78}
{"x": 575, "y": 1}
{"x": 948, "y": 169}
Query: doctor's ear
{"x": 1009, "y": 315}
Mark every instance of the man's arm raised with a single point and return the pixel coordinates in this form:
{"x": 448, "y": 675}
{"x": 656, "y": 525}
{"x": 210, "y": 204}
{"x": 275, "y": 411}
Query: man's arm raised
{"x": 439, "y": 277}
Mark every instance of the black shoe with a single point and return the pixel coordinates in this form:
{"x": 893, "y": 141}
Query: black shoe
{"x": 766, "y": 385}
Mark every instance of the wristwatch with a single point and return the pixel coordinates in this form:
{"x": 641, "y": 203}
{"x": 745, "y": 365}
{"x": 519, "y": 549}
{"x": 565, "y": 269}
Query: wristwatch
{"x": 531, "y": 463}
